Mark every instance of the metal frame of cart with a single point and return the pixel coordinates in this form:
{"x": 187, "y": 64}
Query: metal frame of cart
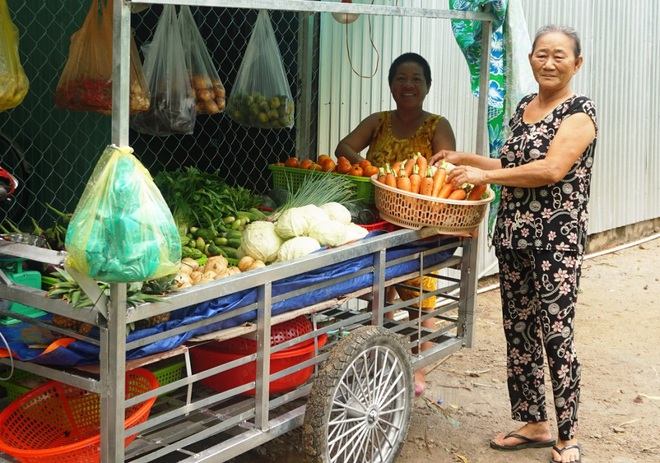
{"x": 252, "y": 422}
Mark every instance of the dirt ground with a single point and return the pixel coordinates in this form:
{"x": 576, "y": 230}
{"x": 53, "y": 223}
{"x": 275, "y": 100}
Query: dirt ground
{"x": 617, "y": 333}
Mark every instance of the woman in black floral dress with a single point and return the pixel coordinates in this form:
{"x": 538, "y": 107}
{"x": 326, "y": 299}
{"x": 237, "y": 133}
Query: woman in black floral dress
{"x": 539, "y": 238}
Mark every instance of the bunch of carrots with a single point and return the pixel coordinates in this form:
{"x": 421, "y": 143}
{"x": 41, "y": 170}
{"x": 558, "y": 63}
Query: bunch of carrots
{"x": 414, "y": 175}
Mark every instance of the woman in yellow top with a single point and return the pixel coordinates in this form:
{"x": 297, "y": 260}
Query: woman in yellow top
{"x": 400, "y": 134}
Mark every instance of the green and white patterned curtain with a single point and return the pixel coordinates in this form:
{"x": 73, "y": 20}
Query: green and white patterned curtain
{"x": 510, "y": 77}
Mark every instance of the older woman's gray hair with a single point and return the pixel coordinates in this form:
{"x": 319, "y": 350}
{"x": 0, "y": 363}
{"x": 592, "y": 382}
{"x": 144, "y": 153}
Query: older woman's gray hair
{"x": 566, "y": 30}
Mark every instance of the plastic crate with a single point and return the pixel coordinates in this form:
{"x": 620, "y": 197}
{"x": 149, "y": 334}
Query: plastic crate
{"x": 294, "y": 176}
{"x": 169, "y": 373}
{"x": 22, "y": 382}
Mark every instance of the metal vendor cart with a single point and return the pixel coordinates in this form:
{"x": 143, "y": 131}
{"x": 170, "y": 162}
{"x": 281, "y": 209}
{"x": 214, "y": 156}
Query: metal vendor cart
{"x": 356, "y": 404}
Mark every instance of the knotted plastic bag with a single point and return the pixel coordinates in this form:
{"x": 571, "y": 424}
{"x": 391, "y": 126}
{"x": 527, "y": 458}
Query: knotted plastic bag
{"x": 209, "y": 91}
{"x": 86, "y": 82}
{"x": 172, "y": 108}
{"x": 122, "y": 230}
{"x": 13, "y": 81}
{"x": 261, "y": 96}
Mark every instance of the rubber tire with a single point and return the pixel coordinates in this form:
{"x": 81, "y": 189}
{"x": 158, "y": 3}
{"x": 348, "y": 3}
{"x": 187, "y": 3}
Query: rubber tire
{"x": 368, "y": 445}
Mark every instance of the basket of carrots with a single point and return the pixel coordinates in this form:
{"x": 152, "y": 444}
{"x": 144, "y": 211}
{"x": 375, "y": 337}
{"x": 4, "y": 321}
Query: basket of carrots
{"x": 413, "y": 195}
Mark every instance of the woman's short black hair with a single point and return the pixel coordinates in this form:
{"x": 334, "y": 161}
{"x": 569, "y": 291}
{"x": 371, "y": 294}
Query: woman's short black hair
{"x": 408, "y": 58}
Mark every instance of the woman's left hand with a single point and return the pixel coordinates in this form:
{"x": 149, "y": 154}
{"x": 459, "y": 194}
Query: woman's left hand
{"x": 466, "y": 174}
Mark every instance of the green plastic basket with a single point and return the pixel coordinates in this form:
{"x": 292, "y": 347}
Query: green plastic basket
{"x": 23, "y": 382}
{"x": 364, "y": 189}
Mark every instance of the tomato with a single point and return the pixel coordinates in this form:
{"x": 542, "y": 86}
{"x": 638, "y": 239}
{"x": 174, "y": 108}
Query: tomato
{"x": 291, "y": 162}
{"x": 356, "y": 170}
{"x": 322, "y": 158}
{"x": 306, "y": 164}
{"x": 316, "y": 166}
{"x": 328, "y": 165}
{"x": 343, "y": 167}
{"x": 364, "y": 163}
{"x": 341, "y": 159}
{"x": 280, "y": 164}
{"x": 369, "y": 170}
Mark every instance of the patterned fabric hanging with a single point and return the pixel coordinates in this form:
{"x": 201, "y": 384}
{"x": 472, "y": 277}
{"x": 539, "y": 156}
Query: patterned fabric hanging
{"x": 468, "y": 35}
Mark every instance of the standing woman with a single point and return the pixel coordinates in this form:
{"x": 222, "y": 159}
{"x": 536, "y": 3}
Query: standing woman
{"x": 539, "y": 238}
{"x": 398, "y": 135}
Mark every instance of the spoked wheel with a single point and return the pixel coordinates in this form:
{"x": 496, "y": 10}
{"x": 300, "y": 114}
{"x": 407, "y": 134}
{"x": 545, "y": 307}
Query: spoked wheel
{"x": 360, "y": 403}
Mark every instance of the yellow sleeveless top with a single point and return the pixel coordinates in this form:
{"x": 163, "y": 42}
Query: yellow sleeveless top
{"x": 385, "y": 147}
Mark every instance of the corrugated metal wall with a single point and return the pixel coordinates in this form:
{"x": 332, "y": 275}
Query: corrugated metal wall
{"x": 620, "y": 72}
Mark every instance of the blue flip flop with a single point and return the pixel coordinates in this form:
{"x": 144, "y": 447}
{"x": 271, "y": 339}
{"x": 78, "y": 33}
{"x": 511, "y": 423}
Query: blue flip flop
{"x": 526, "y": 443}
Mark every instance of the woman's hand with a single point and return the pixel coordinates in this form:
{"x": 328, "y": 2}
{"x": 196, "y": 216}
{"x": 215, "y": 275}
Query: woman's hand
{"x": 466, "y": 174}
{"x": 452, "y": 157}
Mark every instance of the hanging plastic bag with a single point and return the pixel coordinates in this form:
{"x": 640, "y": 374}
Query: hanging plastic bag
{"x": 122, "y": 230}
{"x": 172, "y": 108}
{"x": 209, "y": 91}
{"x": 86, "y": 82}
{"x": 13, "y": 81}
{"x": 261, "y": 96}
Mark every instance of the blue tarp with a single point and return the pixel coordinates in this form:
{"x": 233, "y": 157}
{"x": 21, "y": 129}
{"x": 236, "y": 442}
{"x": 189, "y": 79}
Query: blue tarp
{"x": 81, "y": 353}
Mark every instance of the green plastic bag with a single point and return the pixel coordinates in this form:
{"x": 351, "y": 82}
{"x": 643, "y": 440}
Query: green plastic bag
{"x": 122, "y": 230}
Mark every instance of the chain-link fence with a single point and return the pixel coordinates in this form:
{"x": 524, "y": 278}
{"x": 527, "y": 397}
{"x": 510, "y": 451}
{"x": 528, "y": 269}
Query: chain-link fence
{"x": 52, "y": 152}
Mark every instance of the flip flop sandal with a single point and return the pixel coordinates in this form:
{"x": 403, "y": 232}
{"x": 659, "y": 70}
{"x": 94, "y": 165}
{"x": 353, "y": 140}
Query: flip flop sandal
{"x": 568, "y": 447}
{"x": 526, "y": 443}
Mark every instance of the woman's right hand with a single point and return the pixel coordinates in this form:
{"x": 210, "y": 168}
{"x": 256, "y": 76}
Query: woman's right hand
{"x": 453, "y": 157}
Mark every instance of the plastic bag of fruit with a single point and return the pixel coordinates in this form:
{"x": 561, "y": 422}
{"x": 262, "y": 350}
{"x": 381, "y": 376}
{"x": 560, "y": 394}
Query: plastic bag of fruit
{"x": 172, "y": 109}
{"x": 261, "y": 96}
{"x": 13, "y": 81}
{"x": 122, "y": 229}
{"x": 209, "y": 91}
{"x": 86, "y": 82}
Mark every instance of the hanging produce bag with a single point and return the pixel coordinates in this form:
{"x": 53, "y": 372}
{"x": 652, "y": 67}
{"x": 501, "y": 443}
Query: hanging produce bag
{"x": 86, "y": 82}
{"x": 261, "y": 96}
{"x": 209, "y": 91}
{"x": 172, "y": 108}
{"x": 13, "y": 81}
{"x": 122, "y": 230}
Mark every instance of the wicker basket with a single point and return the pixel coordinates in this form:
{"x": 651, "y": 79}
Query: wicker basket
{"x": 410, "y": 210}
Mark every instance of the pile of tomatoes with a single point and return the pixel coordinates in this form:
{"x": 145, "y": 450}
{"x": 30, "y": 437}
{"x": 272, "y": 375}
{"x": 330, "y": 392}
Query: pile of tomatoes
{"x": 326, "y": 164}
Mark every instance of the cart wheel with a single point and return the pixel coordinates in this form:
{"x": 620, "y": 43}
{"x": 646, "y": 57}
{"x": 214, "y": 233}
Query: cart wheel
{"x": 360, "y": 403}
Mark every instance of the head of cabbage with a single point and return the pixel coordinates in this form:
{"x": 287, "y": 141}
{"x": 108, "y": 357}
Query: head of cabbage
{"x": 328, "y": 233}
{"x": 297, "y": 247}
{"x": 260, "y": 241}
{"x": 297, "y": 220}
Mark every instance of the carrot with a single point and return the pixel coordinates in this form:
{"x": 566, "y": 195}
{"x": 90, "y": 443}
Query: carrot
{"x": 422, "y": 164}
{"x": 415, "y": 180}
{"x": 446, "y": 190}
{"x": 476, "y": 192}
{"x": 390, "y": 178}
{"x": 458, "y": 194}
{"x": 438, "y": 181}
{"x": 381, "y": 174}
{"x": 427, "y": 183}
{"x": 409, "y": 165}
{"x": 396, "y": 167}
{"x": 403, "y": 181}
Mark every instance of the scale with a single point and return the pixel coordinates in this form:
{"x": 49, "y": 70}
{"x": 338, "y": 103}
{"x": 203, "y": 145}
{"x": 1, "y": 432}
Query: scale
{"x": 13, "y": 268}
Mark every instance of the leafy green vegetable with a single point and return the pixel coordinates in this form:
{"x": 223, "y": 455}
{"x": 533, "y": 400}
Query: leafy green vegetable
{"x": 202, "y": 199}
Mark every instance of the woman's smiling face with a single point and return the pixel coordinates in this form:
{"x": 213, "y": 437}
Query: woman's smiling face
{"x": 553, "y": 60}
{"x": 409, "y": 86}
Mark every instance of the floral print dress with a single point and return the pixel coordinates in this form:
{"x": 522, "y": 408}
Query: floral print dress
{"x": 540, "y": 237}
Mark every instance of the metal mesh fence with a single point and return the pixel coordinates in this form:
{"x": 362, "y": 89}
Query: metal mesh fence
{"x": 52, "y": 152}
